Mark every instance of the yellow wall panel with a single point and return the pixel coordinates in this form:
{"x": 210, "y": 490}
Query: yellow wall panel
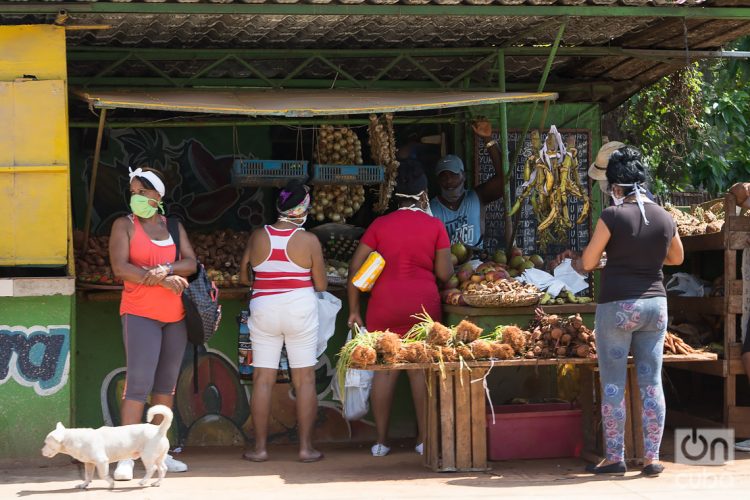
{"x": 36, "y": 231}
{"x": 40, "y": 125}
{"x": 7, "y": 142}
{"x": 37, "y": 50}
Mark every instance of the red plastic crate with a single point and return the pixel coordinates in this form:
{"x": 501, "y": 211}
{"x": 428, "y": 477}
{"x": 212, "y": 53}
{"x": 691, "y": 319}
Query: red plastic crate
{"x": 534, "y": 430}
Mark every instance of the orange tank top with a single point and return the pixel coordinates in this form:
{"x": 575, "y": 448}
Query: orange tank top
{"x": 153, "y": 302}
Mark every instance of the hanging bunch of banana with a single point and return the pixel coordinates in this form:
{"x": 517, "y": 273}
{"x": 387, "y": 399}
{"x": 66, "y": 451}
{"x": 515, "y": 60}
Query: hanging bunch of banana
{"x": 550, "y": 179}
{"x": 383, "y": 152}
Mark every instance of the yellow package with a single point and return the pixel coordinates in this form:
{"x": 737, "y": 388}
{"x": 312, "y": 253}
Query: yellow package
{"x": 367, "y": 275}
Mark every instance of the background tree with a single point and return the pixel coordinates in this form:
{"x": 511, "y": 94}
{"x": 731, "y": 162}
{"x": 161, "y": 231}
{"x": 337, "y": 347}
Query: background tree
{"x": 693, "y": 125}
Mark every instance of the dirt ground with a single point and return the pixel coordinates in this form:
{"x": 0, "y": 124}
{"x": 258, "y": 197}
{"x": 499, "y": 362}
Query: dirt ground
{"x": 348, "y": 471}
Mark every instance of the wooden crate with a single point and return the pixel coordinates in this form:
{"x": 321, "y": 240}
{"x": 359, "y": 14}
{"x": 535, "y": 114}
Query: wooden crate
{"x": 456, "y": 437}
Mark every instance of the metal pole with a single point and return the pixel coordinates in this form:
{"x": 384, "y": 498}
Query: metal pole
{"x": 506, "y": 171}
{"x": 92, "y": 184}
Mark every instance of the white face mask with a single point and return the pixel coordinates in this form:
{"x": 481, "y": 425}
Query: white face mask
{"x": 617, "y": 201}
{"x": 297, "y": 221}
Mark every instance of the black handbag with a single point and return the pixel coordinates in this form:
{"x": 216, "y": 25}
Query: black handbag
{"x": 201, "y": 302}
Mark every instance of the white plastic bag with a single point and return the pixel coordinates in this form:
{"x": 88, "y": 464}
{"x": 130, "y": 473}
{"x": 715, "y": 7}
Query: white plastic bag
{"x": 685, "y": 285}
{"x": 356, "y": 391}
{"x": 328, "y": 308}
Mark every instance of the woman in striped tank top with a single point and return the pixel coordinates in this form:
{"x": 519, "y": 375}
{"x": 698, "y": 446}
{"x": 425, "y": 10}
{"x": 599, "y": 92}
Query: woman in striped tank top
{"x": 288, "y": 269}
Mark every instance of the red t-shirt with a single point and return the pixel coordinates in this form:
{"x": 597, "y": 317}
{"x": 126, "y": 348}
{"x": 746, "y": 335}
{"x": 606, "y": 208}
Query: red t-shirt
{"x": 407, "y": 240}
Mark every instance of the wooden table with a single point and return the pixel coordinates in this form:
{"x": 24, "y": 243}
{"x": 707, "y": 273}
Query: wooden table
{"x": 456, "y": 431}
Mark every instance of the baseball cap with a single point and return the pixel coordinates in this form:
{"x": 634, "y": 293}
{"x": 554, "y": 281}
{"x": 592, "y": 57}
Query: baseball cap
{"x": 598, "y": 169}
{"x": 452, "y": 163}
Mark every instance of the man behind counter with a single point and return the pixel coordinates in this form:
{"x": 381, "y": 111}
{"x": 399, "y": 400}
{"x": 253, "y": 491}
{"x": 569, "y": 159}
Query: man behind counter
{"x": 462, "y": 210}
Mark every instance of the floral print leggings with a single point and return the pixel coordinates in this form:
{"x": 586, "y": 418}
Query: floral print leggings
{"x": 638, "y": 326}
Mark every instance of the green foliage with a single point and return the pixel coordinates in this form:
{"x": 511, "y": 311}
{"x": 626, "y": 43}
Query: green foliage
{"x": 693, "y": 126}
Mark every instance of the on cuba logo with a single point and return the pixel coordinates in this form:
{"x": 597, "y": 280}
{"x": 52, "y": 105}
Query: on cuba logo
{"x": 37, "y": 356}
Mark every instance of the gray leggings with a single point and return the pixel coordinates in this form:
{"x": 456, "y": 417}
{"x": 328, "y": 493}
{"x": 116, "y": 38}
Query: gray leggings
{"x": 154, "y": 352}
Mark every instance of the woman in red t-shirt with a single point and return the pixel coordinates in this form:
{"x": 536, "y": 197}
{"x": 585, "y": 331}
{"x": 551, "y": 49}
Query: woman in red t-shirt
{"x": 416, "y": 250}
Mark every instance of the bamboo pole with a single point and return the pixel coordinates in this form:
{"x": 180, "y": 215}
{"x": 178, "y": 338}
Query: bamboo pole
{"x": 92, "y": 184}
{"x": 505, "y": 167}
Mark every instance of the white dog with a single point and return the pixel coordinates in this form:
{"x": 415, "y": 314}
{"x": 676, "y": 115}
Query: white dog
{"x": 98, "y": 447}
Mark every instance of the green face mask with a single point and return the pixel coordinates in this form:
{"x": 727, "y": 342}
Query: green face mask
{"x": 141, "y": 207}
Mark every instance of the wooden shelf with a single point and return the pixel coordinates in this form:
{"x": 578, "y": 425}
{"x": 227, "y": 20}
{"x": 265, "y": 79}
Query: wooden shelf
{"x": 703, "y": 242}
{"x": 717, "y": 368}
{"x": 700, "y": 305}
{"x": 670, "y": 359}
{"x": 589, "y": 308}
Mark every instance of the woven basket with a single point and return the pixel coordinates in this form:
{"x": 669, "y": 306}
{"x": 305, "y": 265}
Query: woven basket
{"x": 501, "y": 299}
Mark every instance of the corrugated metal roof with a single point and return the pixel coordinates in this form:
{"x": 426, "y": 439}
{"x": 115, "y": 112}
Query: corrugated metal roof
{"x": 250, "y": 31}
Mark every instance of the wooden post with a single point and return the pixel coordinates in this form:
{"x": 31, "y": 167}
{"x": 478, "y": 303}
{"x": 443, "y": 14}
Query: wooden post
{"x": 635, "y": 414}
{"x": 92, "y": 183}
{"x": 432, "y": 446}
{"x": 463, "y": 420}
{"x": 478, "y": 422}
{"x": 447, "y": 423}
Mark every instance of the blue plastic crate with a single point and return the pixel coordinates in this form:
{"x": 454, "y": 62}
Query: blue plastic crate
{"x": 267, "y": 172}
{"x": 348, "y": 174}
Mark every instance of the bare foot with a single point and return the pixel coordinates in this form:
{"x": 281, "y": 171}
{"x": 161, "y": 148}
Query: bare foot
{"x": 311, "y": 455}
{"x": 256, "y": 455}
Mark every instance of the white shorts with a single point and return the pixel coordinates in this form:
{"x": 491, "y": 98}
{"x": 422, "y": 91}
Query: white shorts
{"x": 288, "y": 318}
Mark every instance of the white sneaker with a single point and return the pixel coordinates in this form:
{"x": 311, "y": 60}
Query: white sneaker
{"x": 174, "y": 465}
{"x": 379, "y": 450}
{"x": 419, "y": 448}
{"x": 743, "y": 445}
{"x": 124, "y": 470}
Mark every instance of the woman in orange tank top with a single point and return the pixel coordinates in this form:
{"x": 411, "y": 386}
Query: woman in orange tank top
{"x": 143, "y": 255}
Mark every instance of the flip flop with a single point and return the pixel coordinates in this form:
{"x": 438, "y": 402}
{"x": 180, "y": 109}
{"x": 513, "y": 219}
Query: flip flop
{"x": 245, "y": 456}
{"x": 310, "y": 460}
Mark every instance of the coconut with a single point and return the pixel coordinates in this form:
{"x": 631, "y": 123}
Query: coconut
{"x": 481, "y": 349}
{"x": 439, "y": 334}
{"x": 502, "y": 351}
{"x": 515, "y": 337}
{"x": 388, "y": 345}
{"x": 363, "y": 356}
{"x": 467, "y": 332}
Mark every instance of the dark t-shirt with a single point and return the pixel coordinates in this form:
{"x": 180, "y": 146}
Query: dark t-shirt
{"x": 635, "y": 252}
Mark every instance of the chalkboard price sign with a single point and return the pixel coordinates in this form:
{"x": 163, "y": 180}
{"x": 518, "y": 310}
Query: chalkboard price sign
{"x": 526, "y": 236}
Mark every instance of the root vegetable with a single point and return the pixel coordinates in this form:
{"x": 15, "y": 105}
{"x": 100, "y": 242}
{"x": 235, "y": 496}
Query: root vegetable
{"x": 481, "y": 349}
{"x": 439, "y": 335}
{"x": 583, "y": 351}
{"x": 464, "y": 352}
{"x": 363, "y": 356}
{"x": 556, "y": 333}
{"x": 467, "y": 331}
{"x": 449, "y": 354}
{"x": 515, "y": 337}
{"x": 388, "y": 346}
{"x": 502, "y": 351}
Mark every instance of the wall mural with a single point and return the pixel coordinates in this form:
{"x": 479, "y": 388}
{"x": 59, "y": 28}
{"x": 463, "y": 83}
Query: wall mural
{"x": 219, "y": 414}
{"x": 38, "y": 356}
{"x": 198, "y": 182}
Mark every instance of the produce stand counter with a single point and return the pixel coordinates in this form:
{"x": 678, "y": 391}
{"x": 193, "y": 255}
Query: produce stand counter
{"x": 456, "y": 433}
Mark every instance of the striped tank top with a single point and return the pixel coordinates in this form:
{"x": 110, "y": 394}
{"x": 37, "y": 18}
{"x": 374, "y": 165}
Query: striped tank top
{"x": 277, "y": 273}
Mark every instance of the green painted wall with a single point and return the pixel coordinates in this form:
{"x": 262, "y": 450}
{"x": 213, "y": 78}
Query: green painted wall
{"x": 36, "y": 379}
